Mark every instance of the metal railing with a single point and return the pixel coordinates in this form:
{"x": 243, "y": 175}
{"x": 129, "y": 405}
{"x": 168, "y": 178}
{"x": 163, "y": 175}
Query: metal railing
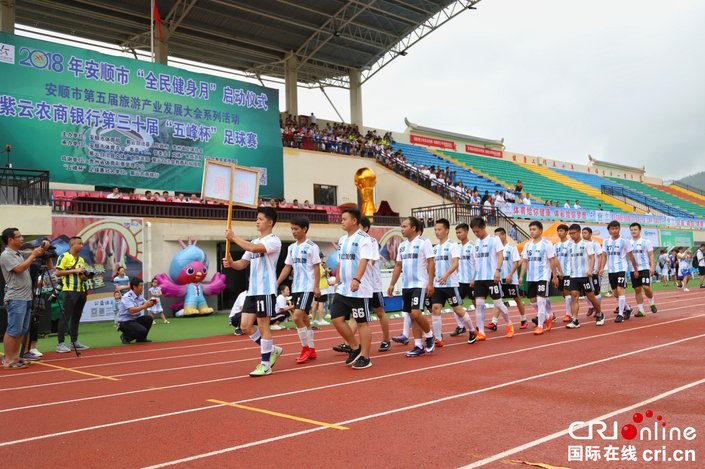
{"x": 688, "y": 188}
{"x": 24, "y": 187}
{"x": 148, "y": 209}
{"x": 464, "y": 213}
{"x": 643, "y": 202}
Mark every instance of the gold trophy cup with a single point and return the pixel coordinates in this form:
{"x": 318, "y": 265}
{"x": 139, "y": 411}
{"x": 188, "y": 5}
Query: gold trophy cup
{"x": 365, "y": 180}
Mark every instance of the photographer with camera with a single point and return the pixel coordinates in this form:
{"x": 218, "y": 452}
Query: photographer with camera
{"x": 18, "y": 297}
{"x": 72, "y": 268}
{"x": 131, "y": 323}
{"x": 35, "y": 269}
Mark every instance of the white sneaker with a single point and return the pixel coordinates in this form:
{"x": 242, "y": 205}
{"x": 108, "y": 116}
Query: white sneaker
{"x": 276, "y": 327}
{"x": 62, "y": 348}
{"x": 686, "y": 289}
{"x": 79, "y": 346}
{"x": 323, "y": 322}
{"x": 314, "y": 322}
{"x": 36, "y": 352}
{"x": 327, "y": 316}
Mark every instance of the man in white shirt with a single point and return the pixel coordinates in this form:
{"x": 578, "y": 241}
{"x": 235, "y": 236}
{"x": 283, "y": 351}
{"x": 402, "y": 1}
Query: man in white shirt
{"x": 115, "y": 194}
{"x": 567, "y": 204}
{"x": 261, "y": 255}
{"x": 643, "y": 253}
{"x": 526, "y": 200}
{"x": 577, "y": 205}
{"x": 281, "y": 309}
{"x": 539, "y": 264}
{"x": 235, "y": 312}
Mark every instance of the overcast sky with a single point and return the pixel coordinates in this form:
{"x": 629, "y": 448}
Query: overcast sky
{"x": 620, "y": 80}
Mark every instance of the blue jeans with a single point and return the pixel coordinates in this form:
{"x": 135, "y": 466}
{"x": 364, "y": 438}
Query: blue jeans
{"x": 18, "y": 313}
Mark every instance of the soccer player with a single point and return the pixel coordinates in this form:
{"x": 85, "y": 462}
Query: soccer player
{"x": 352, "y": 297}
{"x": 415, "y": 259}
{"x": 539, "y": 262}
{"x": 489, "y": 257}
{"x": 510, "y": 279}
{"x": 261, "y": 255}
{"x": 446, "y": 259}
{"x": 303, "y": 257}
{"x": 562, "y": 254}
{"x": 600, "y": 259}
{"x": 643, "y": 253}
{"x": 619, "y": 252}
{"x": 466, "y": 274}
{"x": 582, "y": 260}
{"x": 377, "y": 301}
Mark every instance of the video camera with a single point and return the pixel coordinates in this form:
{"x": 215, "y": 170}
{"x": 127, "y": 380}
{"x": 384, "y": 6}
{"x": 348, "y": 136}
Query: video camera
{"x": 50, "y": 253}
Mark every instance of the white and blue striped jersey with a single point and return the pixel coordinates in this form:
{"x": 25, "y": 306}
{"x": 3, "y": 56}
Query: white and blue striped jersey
{"x": 683, "y": 264}
{"x": 487, "y": 252}
{"x": 263, "y": 266}
{"x": 641, "y": 248}
{"x": 562, "y": 249}
{"x": 538, "y": 260}
{"x": 511, "y": 255}
{"x": 351, "y": 250}
{"x": 617, "y": 250}
{"x": 375, "y": 270}
{"x": 414, "y": 256}
{"x": 466, "y": 268}
{"x": 303, "y": 259}
{"x": 597, "y": 248}
{"x": 579, "y": 255}
{"x": 443, "y": 256}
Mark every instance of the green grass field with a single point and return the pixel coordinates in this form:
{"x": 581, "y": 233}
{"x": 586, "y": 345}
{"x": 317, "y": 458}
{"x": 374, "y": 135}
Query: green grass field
{"x": 103, "y": 334}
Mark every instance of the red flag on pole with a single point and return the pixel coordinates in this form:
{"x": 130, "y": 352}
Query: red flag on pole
{"x": 158, "y": 19}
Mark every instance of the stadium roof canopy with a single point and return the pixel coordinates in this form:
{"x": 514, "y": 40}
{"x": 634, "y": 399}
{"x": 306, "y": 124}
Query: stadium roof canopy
{"x": 328, "y": 38}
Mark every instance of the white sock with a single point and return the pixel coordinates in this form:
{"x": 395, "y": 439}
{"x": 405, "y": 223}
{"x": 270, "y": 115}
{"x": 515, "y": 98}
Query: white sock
{"x": 428, "y": 334}
{"x": 303, "y": 335}
{"x": 459, "y": 320}
{"x": 523, "y": 317}
{"x": 568, "y": 304}
{"x": 256, "y": 336}
{"x": 266, "y": 346}
{"x": 504, "y": 311}
{"x": 641, "y": 307}
{"x": 541, "y": 305}
{"x": 480, "y": 314}
{"x": 535, "y": 304}
{"x": 418, "y": 343}
{"x": 407, "y": 324}
{"x": 495, "y": 321}
{"x": 549, "y": 308}
{"x": 587, "y": 302}
{"x": 437, "y": 327}
{"x": 467, "y": 320}
{"x": 622, "y": 303}
{"x": 599, "y": 298}
{"x": 310, "y": 338}
{"x": 651, "y": 301}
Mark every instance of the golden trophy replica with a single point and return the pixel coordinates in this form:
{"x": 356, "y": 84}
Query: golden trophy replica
{"x": 365, "y": 180}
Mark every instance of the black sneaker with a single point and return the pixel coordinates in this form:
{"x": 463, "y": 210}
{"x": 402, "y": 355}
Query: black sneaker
{"x": 640, "y": 314}
{"x": 353, "y": 356}
{"x": 238, "y": 331}
{"x": 600, "y": 319}
{"x": 124, "y": 340}
{"x": 628, "y": 313}
{"x": 384, "y": 346}
{"x": 616, "y": 310}
{"x": 361, "y": 363}
{"x": 619, "y": 319}
{"x": 535, "y": 320}
{"x": 653, "y": 308}
{"x": 430, "y": 344}
{"x": 472, "y": 338}
{"x": 573, "y": 324}
{"x": 144, "y": 341}
{"x": 343, "y": 348}
{"x": 458, "y": 330}
{"x": 491, "y": 327}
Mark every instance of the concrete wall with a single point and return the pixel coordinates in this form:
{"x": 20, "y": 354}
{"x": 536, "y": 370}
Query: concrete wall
{"x": 31, "y": 220}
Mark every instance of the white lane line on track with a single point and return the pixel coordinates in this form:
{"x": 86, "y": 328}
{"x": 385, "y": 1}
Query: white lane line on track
{"x": 141, "y": 419}
{"x": 558, "y": 305}
{"x": 553, "y": 436}
{"x": 448, "y": 398}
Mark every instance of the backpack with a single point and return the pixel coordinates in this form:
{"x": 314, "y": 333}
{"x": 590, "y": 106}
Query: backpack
{"x": 696, "y": 262}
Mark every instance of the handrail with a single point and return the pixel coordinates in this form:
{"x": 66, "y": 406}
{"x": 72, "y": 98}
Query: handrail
{"x": 688, "y": 188}
{"x": 635, "y": 198}
{"x": 24, "y": 187}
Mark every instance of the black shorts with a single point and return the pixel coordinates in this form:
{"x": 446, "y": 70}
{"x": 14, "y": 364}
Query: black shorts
{"x": 483, "y": 288}
{"x": 596, "y": 283}
{"x": 509, "y": 290}
{"x": 261, "y": 305}
{"x": 643, "y": 280}
{"x": 321, "y": 299}
{"x": 566, "y": 283}
{"x": 701, "y": 270}
{"x": 582, "y": 285}
{"x": 466, "y": 292}
{"x": 618, "y": 279}
{"x": 413, "y": 298}
{"x": 443, "y": 294}
{"x": 377, "y": 300}
{"x": 302, "y": 300}
{"x": 345, "y": 307}
{"x": 538, "y": 289}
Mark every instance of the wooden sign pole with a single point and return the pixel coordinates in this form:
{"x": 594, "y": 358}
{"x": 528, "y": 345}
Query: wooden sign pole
{"x": 230, "y": 214}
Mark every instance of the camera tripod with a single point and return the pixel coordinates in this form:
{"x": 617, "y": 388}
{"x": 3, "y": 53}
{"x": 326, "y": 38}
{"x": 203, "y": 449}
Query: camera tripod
{"x": 37, "y": 301}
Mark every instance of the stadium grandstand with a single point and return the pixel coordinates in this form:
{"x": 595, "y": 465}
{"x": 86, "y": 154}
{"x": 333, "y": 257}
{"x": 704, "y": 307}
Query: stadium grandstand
{"x": 110, "y": 113}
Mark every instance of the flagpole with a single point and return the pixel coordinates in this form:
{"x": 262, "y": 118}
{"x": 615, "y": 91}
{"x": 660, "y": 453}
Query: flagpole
{"x": 151, "y": 29}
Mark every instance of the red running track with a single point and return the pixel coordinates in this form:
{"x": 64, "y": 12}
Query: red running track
{"x": 479, "y": 405}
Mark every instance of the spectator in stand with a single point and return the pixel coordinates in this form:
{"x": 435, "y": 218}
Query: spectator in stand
{"x": 131, "y": 195}
{"x": 282, "y": 204}
{"x": 509, "y": 196}
{"x": 577, "y": 205}
{"x": 165, "y": 196}
{"x": 485, "y": 197}
{"x": 296, "y": 204}
{"x": 273, "y": 203}
{"x": 260, "y": 202}
{"x": 519, "y": 188}
{"x": 307, "y": 204}
{"x": 567, "y": 204}
{"x": 115, "y": 194}
{"x": 193, "y": 199}
{"x": 313, "y": 119}
{"x": 599, "y": 207}
{"x": 181, "y": 198}
{"x": 635, "y": 210}
{"x": 148, "y": 196}
{"x": 526, "y": 200}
